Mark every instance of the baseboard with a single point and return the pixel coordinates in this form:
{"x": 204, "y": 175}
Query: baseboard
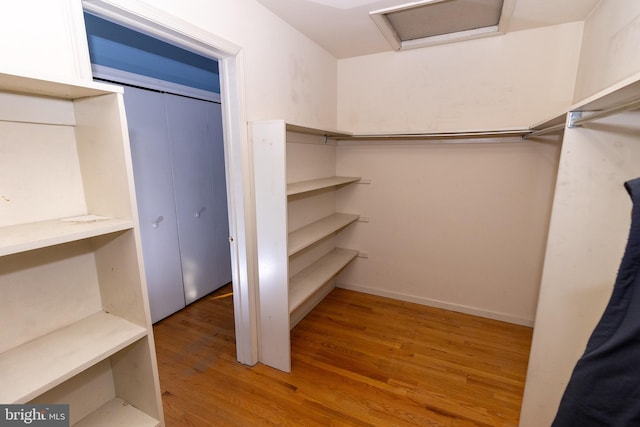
{"x": 504, "y": 317}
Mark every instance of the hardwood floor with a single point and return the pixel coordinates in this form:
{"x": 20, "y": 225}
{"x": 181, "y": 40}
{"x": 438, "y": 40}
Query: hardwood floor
{"x": 358, "y": 360}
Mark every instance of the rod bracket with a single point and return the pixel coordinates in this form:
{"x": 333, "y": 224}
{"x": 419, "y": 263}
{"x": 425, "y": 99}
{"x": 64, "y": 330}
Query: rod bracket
{"x": 573, "y": 116}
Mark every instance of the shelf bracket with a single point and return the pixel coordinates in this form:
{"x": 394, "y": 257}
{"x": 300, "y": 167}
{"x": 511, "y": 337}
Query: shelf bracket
{"x": 573, "y": 116}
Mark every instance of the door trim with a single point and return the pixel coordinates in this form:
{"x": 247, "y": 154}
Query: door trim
{"x": 239, "y": 167}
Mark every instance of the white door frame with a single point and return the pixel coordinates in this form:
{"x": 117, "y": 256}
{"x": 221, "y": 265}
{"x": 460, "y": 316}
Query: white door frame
{"x": 239, "y": 168}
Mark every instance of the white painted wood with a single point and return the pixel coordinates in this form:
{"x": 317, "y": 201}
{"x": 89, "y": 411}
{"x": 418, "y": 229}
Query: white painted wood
{"x": 46, "y": 289}
{"x": 309, "y": 280}
{"x": 303, "y": 158}
{"x": 587, "y": 235}
{"x": 310, "y": 207}
{"x": 36, "y": 109}
{"x": 241, "y": 205}
{"x": 312, "y": 233}
{"x": 318, "y": 184}
{"x": 40, "y": 173}
{"x": 102, "y": 142}
{"x": 41, "y": 364}
{"x": 136, "y": 382}
{"x": 70, "y": 259}
{"x": 269, "y": 150}
{"x": 118, "y": 413}
{"x": 84, "y": 393}
{"x": 26, "y": 237}
{"x": 58, "y": 88}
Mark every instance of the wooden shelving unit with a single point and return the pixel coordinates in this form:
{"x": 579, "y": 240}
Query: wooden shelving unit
{"x": 296, "y": 183}
{"x": 74, "y": 301}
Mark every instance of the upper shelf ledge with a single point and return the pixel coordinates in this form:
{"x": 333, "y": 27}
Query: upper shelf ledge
{"x": 65, "y": 89}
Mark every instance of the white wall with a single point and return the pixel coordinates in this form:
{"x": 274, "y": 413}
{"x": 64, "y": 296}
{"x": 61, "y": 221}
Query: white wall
{"x": 506, "y": 81}
{"x": 457, "y": 226}
{"x": 286, "y": 75}
{"x": 610, "y": 46}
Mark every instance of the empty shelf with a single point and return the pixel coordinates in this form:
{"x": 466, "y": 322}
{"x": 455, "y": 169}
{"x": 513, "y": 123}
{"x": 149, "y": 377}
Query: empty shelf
{"x": 39, "y": 365}
{"x": 319, "y": 184}
{"x": 59, "y": 89}
{"x": 316, "y": 231}
{"x": 117, "y": 412}
{"x": 25, "y": 237}
{"x": 304, "y": 284}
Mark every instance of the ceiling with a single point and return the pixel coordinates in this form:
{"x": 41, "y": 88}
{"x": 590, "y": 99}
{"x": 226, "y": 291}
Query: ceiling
{"x": 345, "y": 29}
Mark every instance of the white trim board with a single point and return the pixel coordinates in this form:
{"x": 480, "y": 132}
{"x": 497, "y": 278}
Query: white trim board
{"x": 503, "y": 317}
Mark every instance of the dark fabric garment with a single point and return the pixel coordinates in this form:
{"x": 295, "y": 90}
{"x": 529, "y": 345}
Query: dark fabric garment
{"x": 604, "y": 389}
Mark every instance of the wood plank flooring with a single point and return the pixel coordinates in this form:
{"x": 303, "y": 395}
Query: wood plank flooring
{"x": 358, "y": 360}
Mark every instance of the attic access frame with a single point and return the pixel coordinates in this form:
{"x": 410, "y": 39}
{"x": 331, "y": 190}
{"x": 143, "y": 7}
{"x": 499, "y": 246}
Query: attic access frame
{"x": 382, "y": 20}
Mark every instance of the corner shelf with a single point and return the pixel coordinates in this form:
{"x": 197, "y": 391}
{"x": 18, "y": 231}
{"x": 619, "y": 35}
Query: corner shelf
{"x": 318, "y": 230}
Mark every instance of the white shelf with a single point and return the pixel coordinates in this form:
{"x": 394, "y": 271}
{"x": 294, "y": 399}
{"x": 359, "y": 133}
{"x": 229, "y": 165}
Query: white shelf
{"x": 117, "y": 413}
{"x": 316, "y": 231}
{"x": 304, "y": 284}
{"x": 41, "y": 364}
{"x": 59, "y": 89}
{"x": 25, "y": 237}
{"x": 319, "y": 184}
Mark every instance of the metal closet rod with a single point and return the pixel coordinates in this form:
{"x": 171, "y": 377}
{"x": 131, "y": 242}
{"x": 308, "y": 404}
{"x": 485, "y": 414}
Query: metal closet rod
{"x": 580, "y": 119}
{"x": 543, "y": 131}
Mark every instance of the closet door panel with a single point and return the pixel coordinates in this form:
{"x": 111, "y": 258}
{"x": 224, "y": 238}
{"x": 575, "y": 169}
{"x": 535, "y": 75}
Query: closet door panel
{"x": 219, "y": 187}
{"x": 151, "y": 156}
{"x": 192, "y": 152}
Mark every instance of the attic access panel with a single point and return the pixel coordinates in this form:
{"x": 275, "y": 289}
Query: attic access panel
{"x": 432, "y": 22}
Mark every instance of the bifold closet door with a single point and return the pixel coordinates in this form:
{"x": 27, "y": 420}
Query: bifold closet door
{"x": 195, "y": 132}
{"x": 153, "y": 175}
{"x": 178, "y": 162}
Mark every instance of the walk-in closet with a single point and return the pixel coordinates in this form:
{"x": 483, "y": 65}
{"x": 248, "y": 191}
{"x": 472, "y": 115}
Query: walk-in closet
{"x": 472, "y": 179}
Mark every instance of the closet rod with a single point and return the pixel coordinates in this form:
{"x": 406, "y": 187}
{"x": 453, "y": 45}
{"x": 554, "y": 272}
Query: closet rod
{"x": 438, "y": 135}
{"x": 544, "y": 131}
{"x": 580, "y": 120}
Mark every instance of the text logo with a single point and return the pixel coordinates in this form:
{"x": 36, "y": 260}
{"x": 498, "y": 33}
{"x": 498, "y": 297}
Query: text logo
{"x": 34, "y": 415}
